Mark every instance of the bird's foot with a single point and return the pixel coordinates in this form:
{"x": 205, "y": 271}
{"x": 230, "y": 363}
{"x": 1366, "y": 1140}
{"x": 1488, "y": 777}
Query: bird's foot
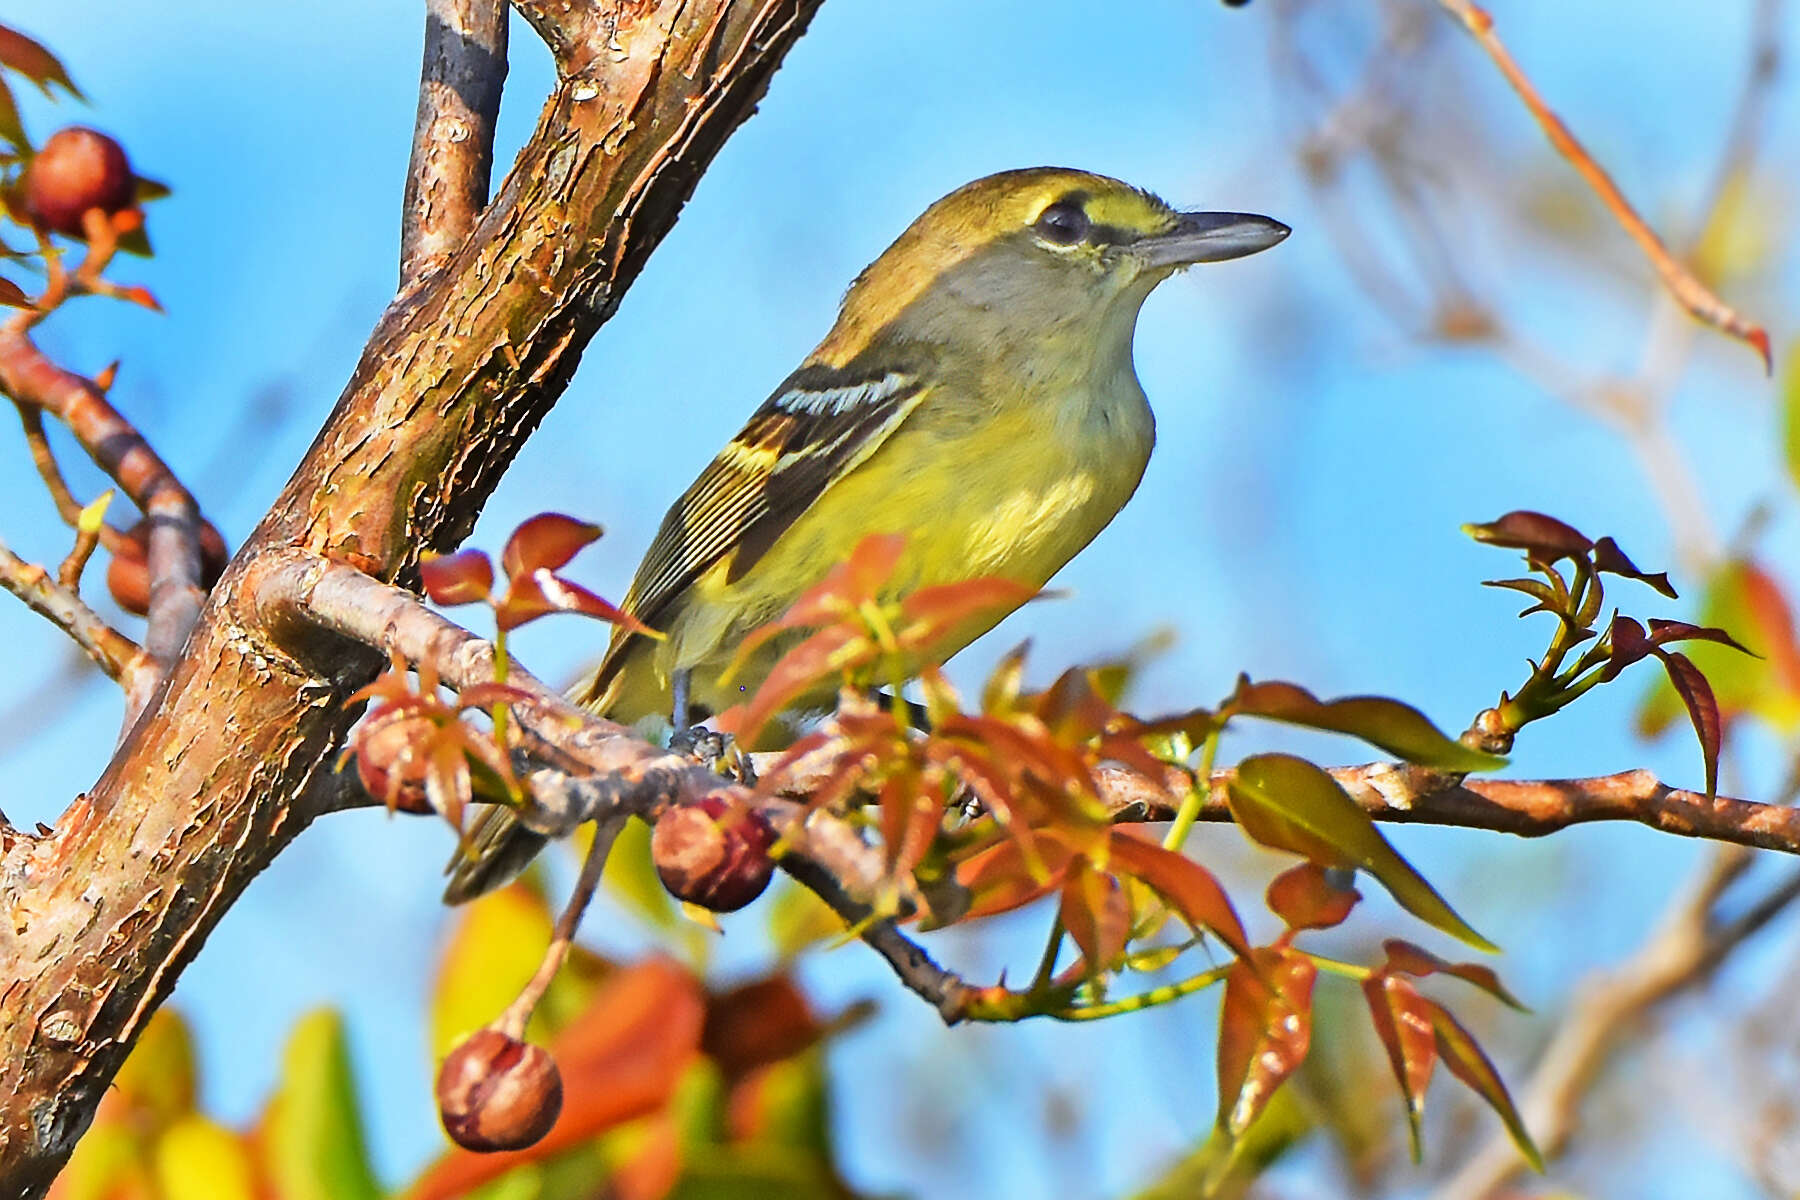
{"x": 716, "y": 751}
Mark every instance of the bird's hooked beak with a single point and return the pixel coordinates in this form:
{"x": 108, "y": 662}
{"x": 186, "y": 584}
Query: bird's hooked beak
{"x": 1203, "y": 237}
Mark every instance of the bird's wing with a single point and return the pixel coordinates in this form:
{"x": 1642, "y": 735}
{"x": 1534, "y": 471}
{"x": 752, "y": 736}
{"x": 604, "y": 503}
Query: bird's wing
{"x": 815, "y": 429}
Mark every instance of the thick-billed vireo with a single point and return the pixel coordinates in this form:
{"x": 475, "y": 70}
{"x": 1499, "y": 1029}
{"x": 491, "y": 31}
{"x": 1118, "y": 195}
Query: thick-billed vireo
{"x": 976, "y": 394}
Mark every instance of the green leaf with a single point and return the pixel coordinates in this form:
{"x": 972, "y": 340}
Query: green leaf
{"x": 159, "y": 1077}
{"x": 1290, "y": 804}
{"x": 198, "y": 1159}
{"x": 1389, "y": 725}
{"x": 799, "y": 920}
{"x": 12, "y": 130}
{"x": 312, "y": 1131}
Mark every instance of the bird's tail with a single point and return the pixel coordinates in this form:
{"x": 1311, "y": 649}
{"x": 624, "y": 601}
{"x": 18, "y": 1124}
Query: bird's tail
{"x": 497, "y": 850}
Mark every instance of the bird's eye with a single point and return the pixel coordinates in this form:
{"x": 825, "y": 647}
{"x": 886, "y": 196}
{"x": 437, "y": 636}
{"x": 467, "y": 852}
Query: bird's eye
{"x": 1063, "y": 224}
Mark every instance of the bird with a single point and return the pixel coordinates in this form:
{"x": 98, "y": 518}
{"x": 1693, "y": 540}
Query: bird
{"x": 977, "y": 394}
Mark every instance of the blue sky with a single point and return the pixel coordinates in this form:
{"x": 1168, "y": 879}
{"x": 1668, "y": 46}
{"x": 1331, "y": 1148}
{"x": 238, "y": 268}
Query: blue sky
{"x": 1299, "y": 519}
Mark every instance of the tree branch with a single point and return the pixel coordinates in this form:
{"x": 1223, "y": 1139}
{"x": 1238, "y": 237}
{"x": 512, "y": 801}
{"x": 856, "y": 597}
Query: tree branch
{"x": 121, "y": 451}
{"x": 453, "y": 135}
{"x": 223, "y": 769}
{"x": 1526, "y": 807}
{"x": 114, "y": 653}
{"x": 1688, "y": 945}
{"x": 1682, "y": 284}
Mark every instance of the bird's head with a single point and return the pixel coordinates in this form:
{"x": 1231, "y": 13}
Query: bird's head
{"x": 1026, "y": 256}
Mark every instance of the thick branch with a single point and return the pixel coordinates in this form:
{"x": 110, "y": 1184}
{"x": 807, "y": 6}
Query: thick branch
{"x": 453, "y": 135}
{"x": 223, "y": 768}
{"x": 1527, "y": 807}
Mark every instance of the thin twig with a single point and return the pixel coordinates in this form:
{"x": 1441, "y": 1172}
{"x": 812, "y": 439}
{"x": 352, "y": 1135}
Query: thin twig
{"x": 114, "y": 653}
{"x": 518, "y": 1013}
{"x": 121, "y": 451}
{"x": 1681, "y": 283}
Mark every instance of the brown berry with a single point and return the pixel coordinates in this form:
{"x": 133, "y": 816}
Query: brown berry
{"x": 128, "y": 575}
{"x": 495, "y": 1092}
{"x": 77, "y": 169}
{"x": 713, "y": 853}
{"x": 390, "y": 758}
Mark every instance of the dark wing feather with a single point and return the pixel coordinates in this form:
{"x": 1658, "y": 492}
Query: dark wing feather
{"x": 819, "y": 425}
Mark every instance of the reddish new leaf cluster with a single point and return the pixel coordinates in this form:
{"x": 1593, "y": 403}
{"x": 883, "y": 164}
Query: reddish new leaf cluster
{"x": 859, "y": 637}
{"x": 415, "y": 752}
{"x": 1417, "y": 1032}
{"x": 534, "y": 553}
{"x": 1577, "y": 600}
{"x": 1029, "y": 761}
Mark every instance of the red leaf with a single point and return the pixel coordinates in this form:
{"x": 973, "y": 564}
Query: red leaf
{"x": 910, "y": 815}
{"x": 1264, "y": 1031}
{"x": 447, "y": 783}
{"x": 1414, "y": 960}
{"x": 1096, "y": 914}
{"x": 140, "y": 296}
{"x": 848, "y": 584}
{"x": 540, "y": 593}
{"x": 1464, "y": 1057}
{"x": 1187, "y": 886}
{"x": 13, "y": 295}
{"x": 1402, "y": 1021}
{"x": 30, "y": 59}
{"x": 1198, "y": 724}
{"x": 820, "y": 657}
{"x": 460, "y": 578}
{"x": 1609, "y": 558}
{"x": 1543, "y": 538}
{"x": 933, "y": 613}
{"x": 1305, "y": 898}
{"x": 1628, "y": 644}
{"x": 999, "y": 878}
{"x": 758, "y": 1023}
{"x": 1703, "y": 710}
{"x": 1664, "y": 632}
{"x": 548, "y": 540}
{"x": 1774, "y": 623}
